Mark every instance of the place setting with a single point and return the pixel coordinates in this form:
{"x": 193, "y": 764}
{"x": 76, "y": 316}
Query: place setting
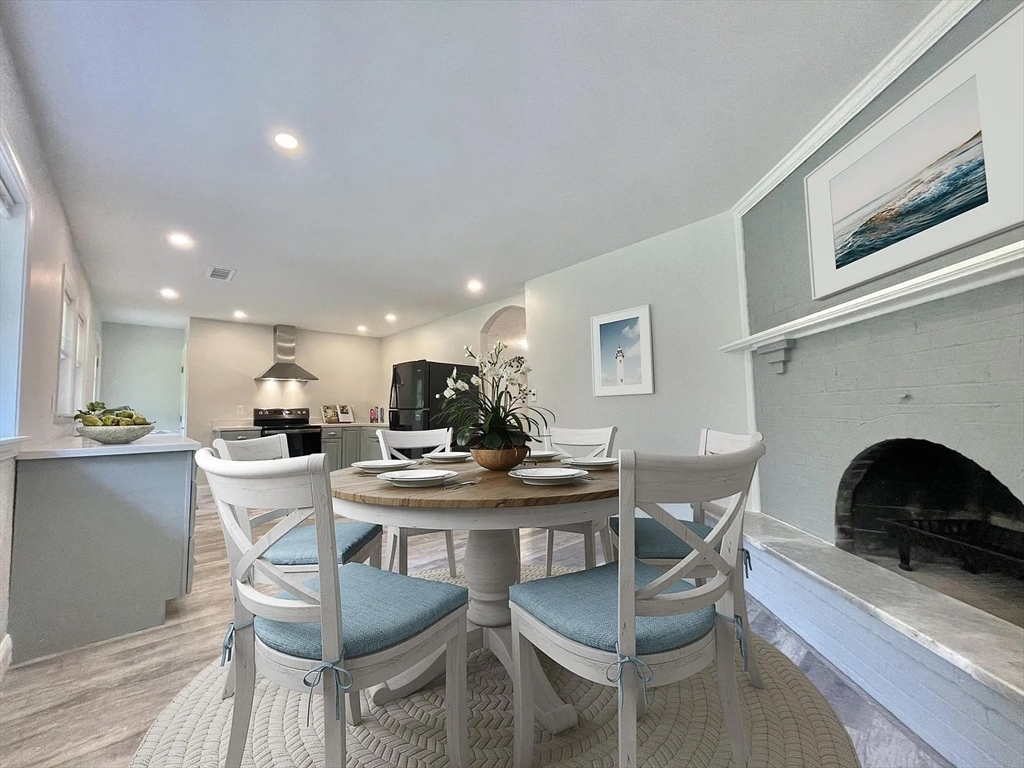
{"x": 549, "y": 475}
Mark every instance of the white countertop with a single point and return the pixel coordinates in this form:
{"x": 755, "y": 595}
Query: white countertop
{"x": 69, "y": 447}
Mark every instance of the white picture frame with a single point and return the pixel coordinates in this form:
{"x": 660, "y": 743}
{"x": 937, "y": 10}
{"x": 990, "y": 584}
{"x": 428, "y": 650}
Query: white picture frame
{"x": 621, "y": 355}
{"x": 910, "y": 186}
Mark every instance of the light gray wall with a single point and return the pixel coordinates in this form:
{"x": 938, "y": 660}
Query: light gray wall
{"x": 224, "y": 358}
{"x": 958, "y": 359}
{"x": 141, "y": 367}
{"x": 50, "y": 250}
{"x": 690, "y": 279}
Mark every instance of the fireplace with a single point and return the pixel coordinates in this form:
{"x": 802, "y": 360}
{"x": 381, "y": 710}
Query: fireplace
{"x": 916, "y": 505}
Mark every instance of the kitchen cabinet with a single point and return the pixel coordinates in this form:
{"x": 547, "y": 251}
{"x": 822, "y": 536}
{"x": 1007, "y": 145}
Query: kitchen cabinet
{"x": 348, "y": 443}
{"x": 241, "y": 433}
{"x": 102, "y": 539}
{"x": 369, "y": 445}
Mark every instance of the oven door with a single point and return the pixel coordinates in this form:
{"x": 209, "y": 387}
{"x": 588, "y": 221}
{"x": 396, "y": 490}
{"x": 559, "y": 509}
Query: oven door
{"x": 303, "y": 441}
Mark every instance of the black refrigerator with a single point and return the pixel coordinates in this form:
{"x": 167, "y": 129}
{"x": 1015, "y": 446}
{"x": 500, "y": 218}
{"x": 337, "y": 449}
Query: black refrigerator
{"x": 414, "y": 388}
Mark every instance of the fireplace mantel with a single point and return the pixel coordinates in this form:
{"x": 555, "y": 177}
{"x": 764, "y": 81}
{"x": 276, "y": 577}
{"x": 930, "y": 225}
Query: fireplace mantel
{"x": 1001, "y": 264}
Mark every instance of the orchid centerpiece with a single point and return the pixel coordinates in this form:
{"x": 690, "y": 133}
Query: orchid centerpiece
{"x": 491, "y": 410}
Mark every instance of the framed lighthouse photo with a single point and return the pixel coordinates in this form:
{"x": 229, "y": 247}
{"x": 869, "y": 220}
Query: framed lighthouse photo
{"x": 621, "y": 345}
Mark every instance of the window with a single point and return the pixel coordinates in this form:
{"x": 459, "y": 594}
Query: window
{"x": 68, "y": 349}
{"x": 13, "y": 220}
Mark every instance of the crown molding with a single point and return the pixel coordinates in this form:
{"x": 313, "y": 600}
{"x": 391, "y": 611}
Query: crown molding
{"x": 943, "y": 17}
{"x": 1001, "y": 264}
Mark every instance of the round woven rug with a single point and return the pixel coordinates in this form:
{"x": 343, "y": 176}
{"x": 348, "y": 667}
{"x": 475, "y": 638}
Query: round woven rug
{"x": 788, "y": 723}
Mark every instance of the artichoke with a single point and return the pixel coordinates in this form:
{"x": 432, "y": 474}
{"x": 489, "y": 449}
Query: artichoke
{"x": 108, "y": 421}
{"x": 88, "y": 420}
{"x": 139, "y": 419}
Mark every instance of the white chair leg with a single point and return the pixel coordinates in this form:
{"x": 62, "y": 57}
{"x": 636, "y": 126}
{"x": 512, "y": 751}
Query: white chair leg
{"x": 403, "y": 552}
{"x": 229, "y": 682}
{"x": 627, "y": 718}
{"x": 606, "y": 543}
{"x": 522, "y": 698}
{"x": 589, "y": 555}
{"x": 393, "y": 533}
{"x": 375, "y": 553}
{"x": 753, "y": 673}
{"x": 334, "y": 730}
{"x": 457, "y": 700}
{"x": 728, "y": 693}
{"x": 551, "y": 551}
{"x": 517, "y": 540}
{"x": 354, "y": 710}
{"x": 449, "y": 543}
{"x": 244, "y": 662}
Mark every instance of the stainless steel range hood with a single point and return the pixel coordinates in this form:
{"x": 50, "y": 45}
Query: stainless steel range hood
{"x": 284, "y": 367}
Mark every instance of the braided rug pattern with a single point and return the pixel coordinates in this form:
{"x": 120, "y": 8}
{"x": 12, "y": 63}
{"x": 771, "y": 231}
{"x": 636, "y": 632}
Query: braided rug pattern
{"x": 788, "y": 723}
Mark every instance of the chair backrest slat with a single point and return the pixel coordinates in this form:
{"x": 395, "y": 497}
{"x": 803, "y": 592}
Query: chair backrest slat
{"x": 647, "y": 481}
{"x": 393, "y": 442}
{"x": 257, "y": 449}
{"x": 301, "y": 485}
{"x": 589, "y": 443}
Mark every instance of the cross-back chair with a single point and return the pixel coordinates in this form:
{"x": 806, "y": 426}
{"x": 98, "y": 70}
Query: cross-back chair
{"x": 629, "y": 624}
{"x": 297, "y": 638}
{"x": 657, "y": 546}
{"x": 296, "y": 551}
{"x": 578, "y": 443}
{"x": 392, "y": 443}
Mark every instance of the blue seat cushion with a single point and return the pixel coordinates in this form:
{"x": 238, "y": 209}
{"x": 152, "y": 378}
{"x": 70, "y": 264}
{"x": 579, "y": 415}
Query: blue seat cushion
{"x": 298, "y": 546}
{"x": 379, "y": 609}
{"x": 583, "y": 607}
{"x": 656, "y": 542}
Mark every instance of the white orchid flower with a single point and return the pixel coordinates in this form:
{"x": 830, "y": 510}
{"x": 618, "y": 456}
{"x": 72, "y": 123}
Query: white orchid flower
{"x": 449, "y": 393}
{"x": 460, "y": 384}
{"x": 475, "y": 380}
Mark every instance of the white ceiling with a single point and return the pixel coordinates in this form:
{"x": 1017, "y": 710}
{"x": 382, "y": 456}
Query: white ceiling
{"x": 443, "y": 140}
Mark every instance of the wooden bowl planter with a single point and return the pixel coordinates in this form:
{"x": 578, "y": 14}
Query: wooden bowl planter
{"x": 499, "y": 459}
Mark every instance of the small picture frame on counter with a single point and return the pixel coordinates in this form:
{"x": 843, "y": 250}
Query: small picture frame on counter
{"x": 345, "y": 414}
{"x": 329, "y": 414}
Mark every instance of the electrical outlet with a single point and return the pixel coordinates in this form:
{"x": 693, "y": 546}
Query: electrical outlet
{"x": 240, "y": 410}
{"x": 533, "y": 397}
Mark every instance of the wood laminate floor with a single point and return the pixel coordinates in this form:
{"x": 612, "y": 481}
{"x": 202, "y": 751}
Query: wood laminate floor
{"x": 89, "y": 708}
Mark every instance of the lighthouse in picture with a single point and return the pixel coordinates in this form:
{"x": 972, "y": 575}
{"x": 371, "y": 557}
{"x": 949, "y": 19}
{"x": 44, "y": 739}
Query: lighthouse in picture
{"x": 620, "y": 366}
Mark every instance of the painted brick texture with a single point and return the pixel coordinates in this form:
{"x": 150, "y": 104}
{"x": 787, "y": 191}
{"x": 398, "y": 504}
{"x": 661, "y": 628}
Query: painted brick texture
{"x": 951, "y": 371}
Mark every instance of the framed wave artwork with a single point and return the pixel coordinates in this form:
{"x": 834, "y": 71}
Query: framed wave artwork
{"x": 941, "y": 169}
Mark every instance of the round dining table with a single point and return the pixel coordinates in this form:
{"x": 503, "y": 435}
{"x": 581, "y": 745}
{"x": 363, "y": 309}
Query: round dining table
{"x": 490, "y": 510}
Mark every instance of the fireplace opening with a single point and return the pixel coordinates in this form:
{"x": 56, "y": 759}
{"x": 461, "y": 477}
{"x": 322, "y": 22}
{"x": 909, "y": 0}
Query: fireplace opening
{"x": 929, "y": 513}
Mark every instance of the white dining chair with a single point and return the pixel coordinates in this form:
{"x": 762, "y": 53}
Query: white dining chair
{"x": 657, "y": 546}
{"x": 581, "y": 443}
{"x": 392, "y": 443}
{"x": 297, "y": 638}
{"x": 629, "y": 624}
{"x": 296, "y": 551}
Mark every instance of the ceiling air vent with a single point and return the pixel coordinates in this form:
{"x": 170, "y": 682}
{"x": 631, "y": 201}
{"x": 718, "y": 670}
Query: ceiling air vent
{"x": 220, "y": 273}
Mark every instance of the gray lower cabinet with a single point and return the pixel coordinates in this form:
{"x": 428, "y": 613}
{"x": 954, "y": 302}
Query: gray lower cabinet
{"x": 227, "y": 435}
{"x": 333, "y": 449}
{"x": 351, "y": 448}
{"x": 100, "y": 544}
{"x": 369, "y": 445}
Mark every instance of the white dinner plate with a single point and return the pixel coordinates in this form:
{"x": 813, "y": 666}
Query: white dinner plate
{"x": 548, "y": 476}
{"x": 377, "y": 466}
{"x": 418, "y": 478}
{"x": 543, "y": 455}
{"x": 592, "y": 462}
{"x": 451, "y": 457}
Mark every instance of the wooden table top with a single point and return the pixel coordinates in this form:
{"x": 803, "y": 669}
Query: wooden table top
{"x": 494, "y": 491}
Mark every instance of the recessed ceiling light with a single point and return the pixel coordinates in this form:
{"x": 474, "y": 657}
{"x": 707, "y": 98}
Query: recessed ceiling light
{"x": 181, "y": 241}
{"x": 390, "y": 318}
{"x": 240, "y": 315}
{"x": 286, "y": 141}
{"x": 169, "y": 293}
{"x": 474, "y": 286}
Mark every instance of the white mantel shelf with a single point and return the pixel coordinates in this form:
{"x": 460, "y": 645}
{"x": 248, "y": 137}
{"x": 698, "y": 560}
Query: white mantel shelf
{"x": 996, "y": 266}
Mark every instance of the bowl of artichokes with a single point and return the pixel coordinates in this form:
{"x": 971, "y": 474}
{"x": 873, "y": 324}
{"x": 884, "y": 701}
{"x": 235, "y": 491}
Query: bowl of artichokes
{"x": 113, "y": 426}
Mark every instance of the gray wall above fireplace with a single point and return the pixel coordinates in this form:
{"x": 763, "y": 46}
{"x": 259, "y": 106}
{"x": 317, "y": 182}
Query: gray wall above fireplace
{"x": 951, "y": 371}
